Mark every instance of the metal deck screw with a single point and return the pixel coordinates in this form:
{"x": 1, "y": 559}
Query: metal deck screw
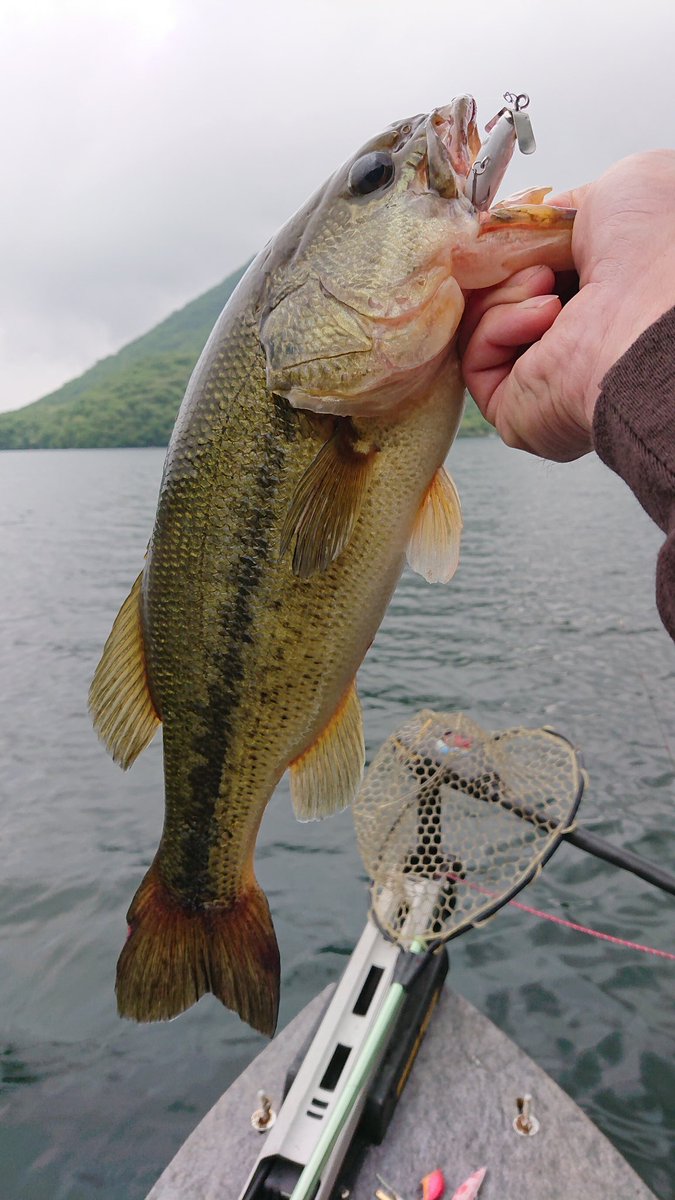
{"x": 526, "y": 1124}
{"x": 264, "y": 1117}
{"x": 385, "y": 1191}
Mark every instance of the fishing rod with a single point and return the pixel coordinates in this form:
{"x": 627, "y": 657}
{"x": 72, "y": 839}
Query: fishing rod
{"x": 439, "y": 754}
{"x": 598, "y": 847}
{"x": 627, "y": 860}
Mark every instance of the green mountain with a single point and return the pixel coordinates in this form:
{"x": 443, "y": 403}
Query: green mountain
{"x": 132, "y": 397}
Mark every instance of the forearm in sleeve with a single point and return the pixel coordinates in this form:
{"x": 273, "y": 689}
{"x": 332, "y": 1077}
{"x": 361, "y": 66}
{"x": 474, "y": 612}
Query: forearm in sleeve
{"x": 634, "y": 434}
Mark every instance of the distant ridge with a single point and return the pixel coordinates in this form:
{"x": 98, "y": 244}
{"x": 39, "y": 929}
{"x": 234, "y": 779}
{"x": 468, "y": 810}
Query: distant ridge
{"x": 131, "y": 398}
{"x": 128, "y": 399}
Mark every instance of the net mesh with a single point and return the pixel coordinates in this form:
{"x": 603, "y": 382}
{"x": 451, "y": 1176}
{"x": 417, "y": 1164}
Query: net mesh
{"x": 452, "y": 820}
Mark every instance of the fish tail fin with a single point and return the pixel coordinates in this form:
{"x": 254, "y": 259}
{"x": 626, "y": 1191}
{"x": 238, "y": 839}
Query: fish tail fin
{"x": 174, "y": 954}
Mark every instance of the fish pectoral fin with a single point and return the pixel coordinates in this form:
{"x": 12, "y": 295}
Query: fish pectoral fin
{"x": 120, "y": 703}
{"x": 534, "y": 217}
{"x": 529, "y": 196}
{"x": 433, "y": 549}
{"x": 326, "y": 777}
{"x": 327, "y": 502}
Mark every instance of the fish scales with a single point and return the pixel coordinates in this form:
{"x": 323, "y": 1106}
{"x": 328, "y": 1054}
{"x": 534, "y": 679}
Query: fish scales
{"x": 306, "y": 460}
{"x": 215, "y": 582}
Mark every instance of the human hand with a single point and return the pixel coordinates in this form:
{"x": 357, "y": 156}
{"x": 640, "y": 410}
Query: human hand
{"x": 623, "y": 244}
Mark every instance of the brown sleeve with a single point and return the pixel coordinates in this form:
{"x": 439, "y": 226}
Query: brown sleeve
{"x": 634, "y": 434}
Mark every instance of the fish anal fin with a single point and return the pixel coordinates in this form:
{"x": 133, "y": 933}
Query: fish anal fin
{"x": 433, "y": 549}
{"x": 327, "y": 501}
{"x": 326, "y": 777}
{"x": 120, "y": 703}
{"x": 174, "y": 954}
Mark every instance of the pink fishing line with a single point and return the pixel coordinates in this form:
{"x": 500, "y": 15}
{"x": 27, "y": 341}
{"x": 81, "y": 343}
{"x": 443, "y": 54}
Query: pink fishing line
{"x": 606, "y": 937}
{"x": 537, "y": 912}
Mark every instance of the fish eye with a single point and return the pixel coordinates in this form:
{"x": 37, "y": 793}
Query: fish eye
{"x": 370, "y": 173}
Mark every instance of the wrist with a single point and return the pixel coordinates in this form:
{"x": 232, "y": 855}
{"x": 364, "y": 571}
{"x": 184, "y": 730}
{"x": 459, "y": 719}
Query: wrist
{"x": 624, "y": 323}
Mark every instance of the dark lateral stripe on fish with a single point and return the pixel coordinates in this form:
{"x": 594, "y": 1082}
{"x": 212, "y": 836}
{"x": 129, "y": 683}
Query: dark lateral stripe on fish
{"x": 190, "y": 876}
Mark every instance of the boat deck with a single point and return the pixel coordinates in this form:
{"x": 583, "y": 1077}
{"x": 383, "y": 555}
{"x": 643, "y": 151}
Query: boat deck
{"x": 456, "y": 1113}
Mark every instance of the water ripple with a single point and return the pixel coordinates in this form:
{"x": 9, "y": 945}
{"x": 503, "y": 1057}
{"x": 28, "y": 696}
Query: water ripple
{"x": 550, "y": 618}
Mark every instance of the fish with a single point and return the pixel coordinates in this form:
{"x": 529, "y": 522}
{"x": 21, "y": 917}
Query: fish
{"x": 306, "y": 464}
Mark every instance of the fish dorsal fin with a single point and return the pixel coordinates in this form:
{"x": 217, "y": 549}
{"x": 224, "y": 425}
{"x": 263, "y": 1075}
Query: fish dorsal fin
{"x": 433, "y": 549}
{"x": 327, "y": 502}
{"x": 120, "y": 703}
{"x": 327, "y": 776}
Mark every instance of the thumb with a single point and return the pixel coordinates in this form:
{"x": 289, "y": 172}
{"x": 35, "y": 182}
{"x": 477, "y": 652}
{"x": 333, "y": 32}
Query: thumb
{"x": 530, "y": 408}
{"x": 572, "y": 199}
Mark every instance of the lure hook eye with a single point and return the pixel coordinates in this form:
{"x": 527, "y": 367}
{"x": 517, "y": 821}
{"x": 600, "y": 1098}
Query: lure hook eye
{"x": 519, "y": 102}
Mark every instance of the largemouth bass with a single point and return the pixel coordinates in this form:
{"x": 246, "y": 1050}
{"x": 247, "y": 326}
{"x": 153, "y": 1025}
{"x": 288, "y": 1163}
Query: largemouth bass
{"x": 306, "y": 461}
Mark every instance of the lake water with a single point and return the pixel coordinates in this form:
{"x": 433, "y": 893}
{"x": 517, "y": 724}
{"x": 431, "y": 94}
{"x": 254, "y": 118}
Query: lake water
{"x": 550, "y": 620}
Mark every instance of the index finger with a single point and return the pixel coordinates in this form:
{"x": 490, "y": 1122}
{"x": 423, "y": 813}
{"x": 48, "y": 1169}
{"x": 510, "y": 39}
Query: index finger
{"x": 531, "y": 281}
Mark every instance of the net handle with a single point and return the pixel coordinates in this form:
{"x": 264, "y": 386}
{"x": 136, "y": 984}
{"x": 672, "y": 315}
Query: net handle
{"x": 360, "y": 1073}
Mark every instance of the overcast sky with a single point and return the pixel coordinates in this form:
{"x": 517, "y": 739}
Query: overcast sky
{"x": 151, "y": 146}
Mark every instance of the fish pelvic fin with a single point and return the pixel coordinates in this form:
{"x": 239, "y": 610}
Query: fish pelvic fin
{"x": 433, "y": 549}
{"x": 120, "y": 703}
{"x": 174, "y": 954}
{"x": 327, "y": 502}
{"x": 326, "y": 777}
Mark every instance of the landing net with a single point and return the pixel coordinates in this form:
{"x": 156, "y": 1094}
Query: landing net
{"x": 453, "y": 820}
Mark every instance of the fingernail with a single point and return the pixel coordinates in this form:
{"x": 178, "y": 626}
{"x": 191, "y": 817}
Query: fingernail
{"x": 537, "y": 301}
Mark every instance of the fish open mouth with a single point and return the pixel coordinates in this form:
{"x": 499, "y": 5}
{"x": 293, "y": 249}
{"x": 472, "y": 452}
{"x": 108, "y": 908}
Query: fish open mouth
{"x": 453, "y": 142}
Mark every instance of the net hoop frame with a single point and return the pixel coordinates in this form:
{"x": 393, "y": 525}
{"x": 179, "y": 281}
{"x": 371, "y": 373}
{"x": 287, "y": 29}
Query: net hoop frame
{"x": 564, "y": 828}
